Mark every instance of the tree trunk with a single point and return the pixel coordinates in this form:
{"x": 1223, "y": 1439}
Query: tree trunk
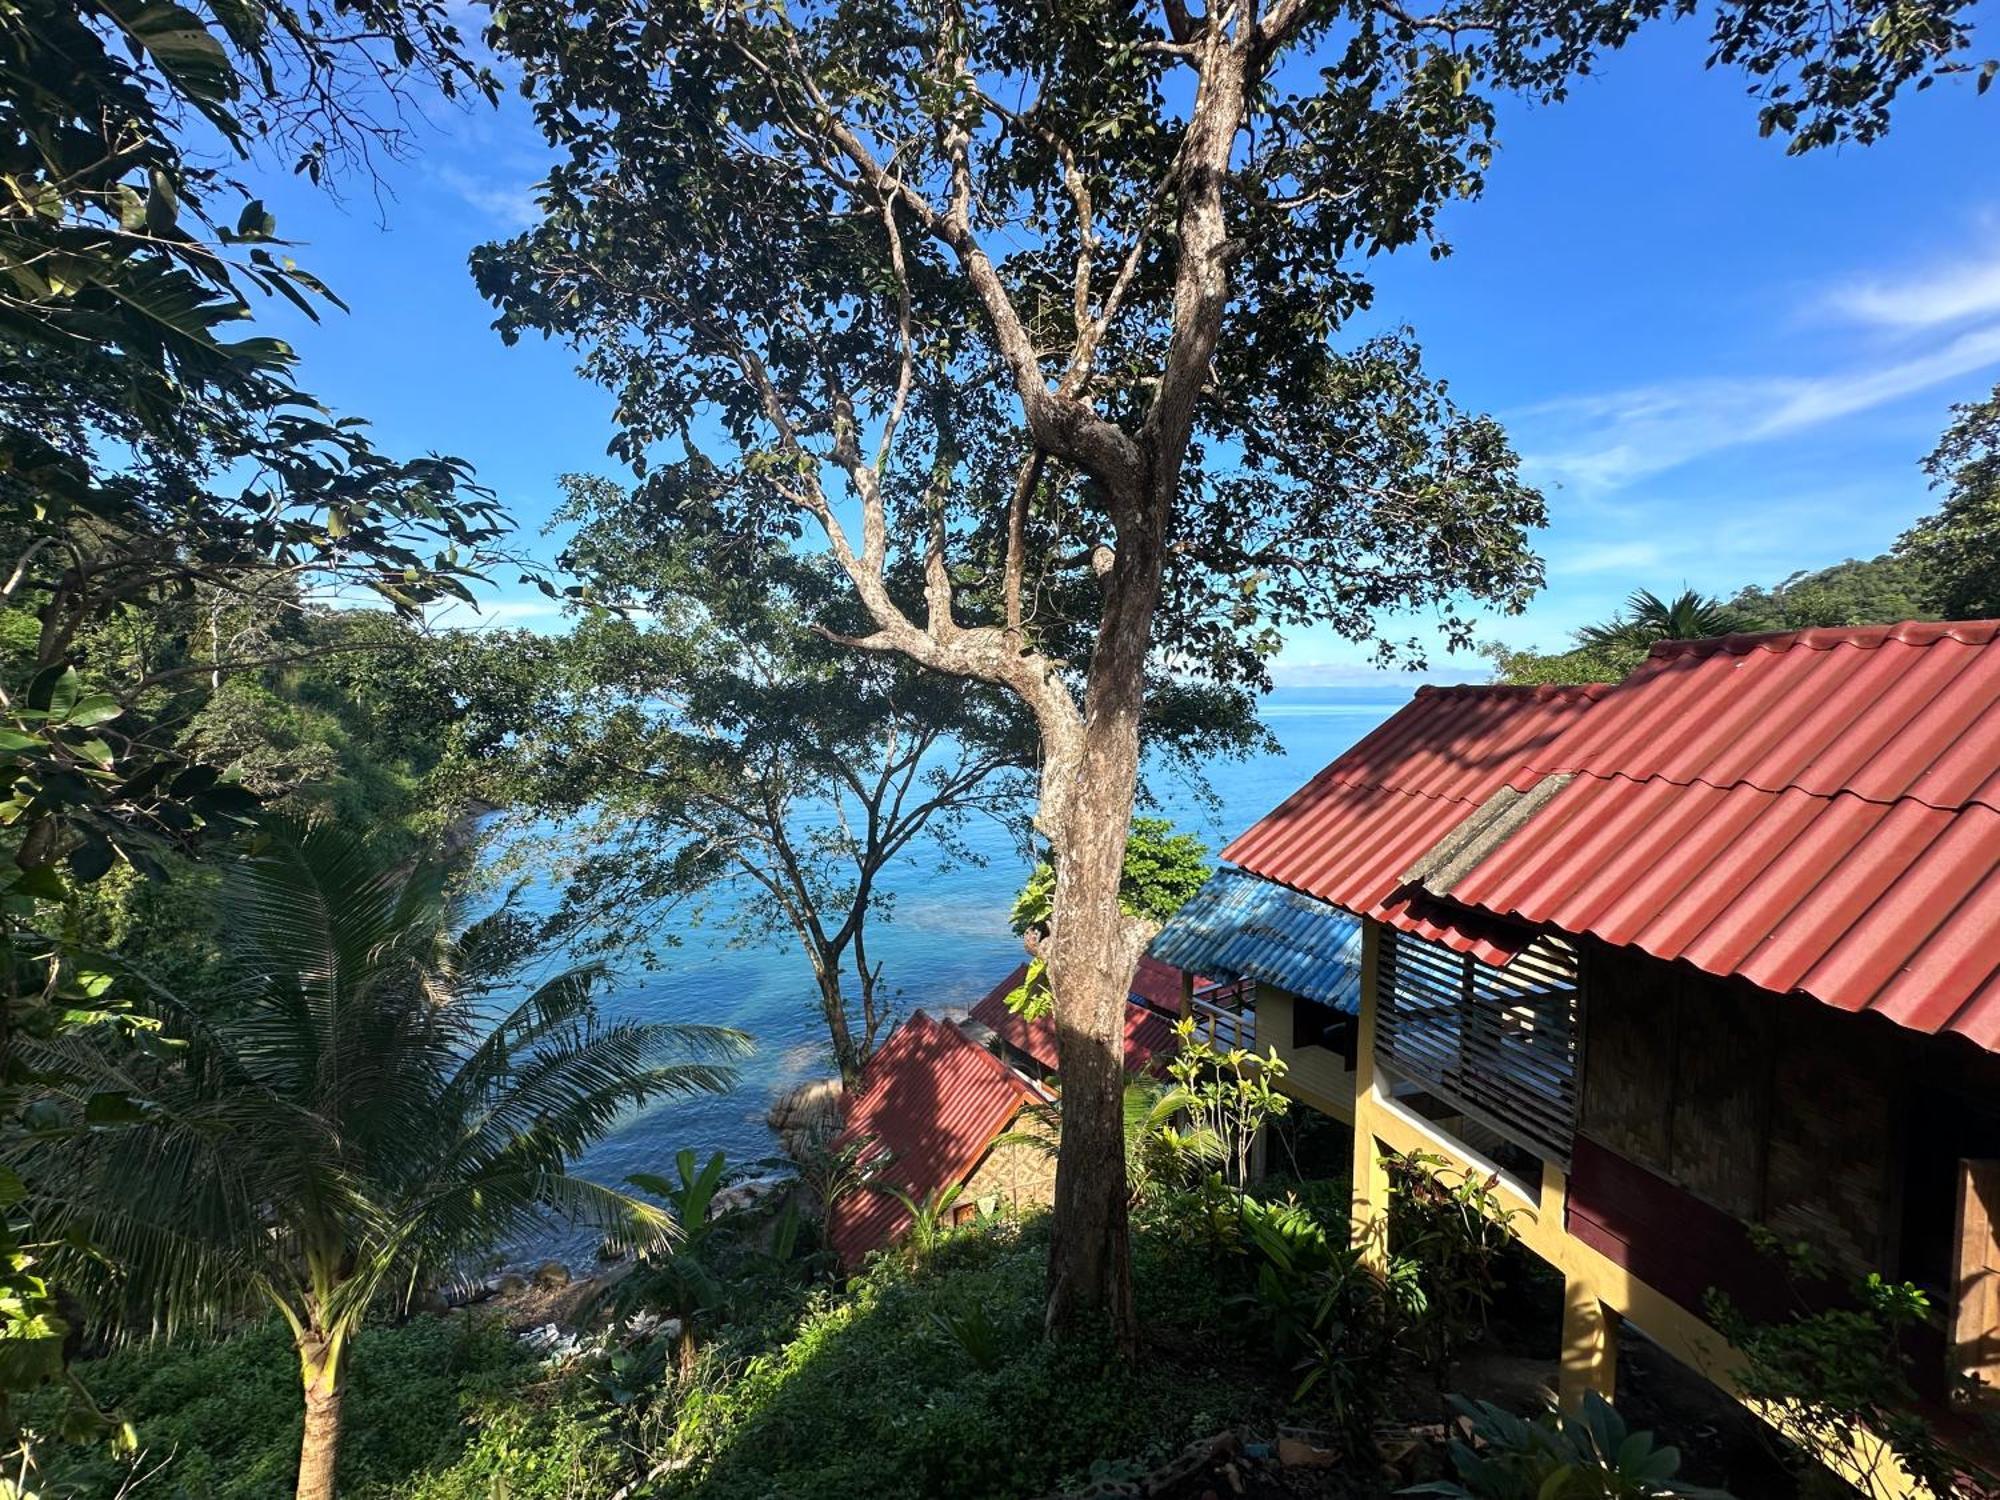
{"x": 1094, "y": 947}
{"x": 323, "y": 1367}
{"x": 833, "y": 1006}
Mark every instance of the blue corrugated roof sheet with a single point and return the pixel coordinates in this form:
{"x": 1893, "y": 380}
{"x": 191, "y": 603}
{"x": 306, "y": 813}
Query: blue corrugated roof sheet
{"x": 1240, "y": 927}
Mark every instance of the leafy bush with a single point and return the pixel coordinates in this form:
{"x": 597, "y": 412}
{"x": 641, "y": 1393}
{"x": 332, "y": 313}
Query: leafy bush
{"x": 1340, "y": 1329}
{"x": 1590, "y": 1456}
{"x": 897, "y": 1389}
{"x": 1841, "y": 1374}
{"x": 1455, "y": 1231}
{"x": 224, "y": 1415}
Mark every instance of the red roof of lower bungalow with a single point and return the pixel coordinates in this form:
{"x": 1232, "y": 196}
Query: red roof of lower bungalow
{"x": 1349, "y": 835}
{"x": 1148, "y": 1034}
{"x": 1814, "y": 811}
{"x": 932, "y": 1101}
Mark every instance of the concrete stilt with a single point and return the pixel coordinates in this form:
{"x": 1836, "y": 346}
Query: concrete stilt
{"x": 1589, "y": 1345}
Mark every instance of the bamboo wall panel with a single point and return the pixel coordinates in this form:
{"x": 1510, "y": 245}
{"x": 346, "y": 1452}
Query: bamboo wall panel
{"x": 1722, "y": 1073}
{"x": 1629, "y": 1028}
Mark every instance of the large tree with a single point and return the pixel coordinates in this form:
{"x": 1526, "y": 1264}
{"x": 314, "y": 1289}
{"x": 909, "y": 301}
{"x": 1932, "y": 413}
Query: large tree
{"x": 1035, "y": 303}
{"x": 1957, "y": 547}
{"x": 733, "y": 763}
{"x": 385, "y": 1098}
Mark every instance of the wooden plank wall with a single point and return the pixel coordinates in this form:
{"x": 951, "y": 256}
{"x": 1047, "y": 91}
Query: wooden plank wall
{"x": 1975, "y": 1312}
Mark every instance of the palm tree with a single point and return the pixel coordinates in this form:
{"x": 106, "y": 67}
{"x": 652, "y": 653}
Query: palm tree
{"x": 372, "y": 1110}
{"x": 1647, "y": 618}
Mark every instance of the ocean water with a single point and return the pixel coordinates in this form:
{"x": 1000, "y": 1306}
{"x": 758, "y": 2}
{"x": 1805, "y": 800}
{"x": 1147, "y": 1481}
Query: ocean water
{"x": 946, "y": 944}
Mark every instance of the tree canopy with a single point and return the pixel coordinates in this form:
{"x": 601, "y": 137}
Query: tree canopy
{"x": 1957, "y": 547}
{"x": 152, "y": 445}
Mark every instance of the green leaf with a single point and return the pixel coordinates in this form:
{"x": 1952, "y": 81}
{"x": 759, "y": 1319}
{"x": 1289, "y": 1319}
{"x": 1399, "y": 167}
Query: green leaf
{"x": 255, "y": 222}
{"x": 91, "y": 860}
{"x": 163, "y": 202}
{"x": 55, "y": 690}
{"x": 97, "y": 708}
{"x": 43, "y": 882}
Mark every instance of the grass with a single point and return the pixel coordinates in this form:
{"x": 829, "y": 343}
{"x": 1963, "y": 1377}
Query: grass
{"x": 909, "y": 1383}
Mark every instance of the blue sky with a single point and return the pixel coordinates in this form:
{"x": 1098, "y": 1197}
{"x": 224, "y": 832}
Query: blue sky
{"x": 1721, "y": 363}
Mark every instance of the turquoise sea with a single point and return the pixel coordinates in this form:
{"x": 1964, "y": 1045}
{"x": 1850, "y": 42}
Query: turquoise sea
{"x": 946, "y": 944}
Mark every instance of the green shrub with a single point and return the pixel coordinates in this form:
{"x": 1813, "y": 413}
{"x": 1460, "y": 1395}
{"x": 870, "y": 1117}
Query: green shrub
{"x": 1341, "y": 1331}
{"x": 1841, "y": 1375}
{"x": 1590, "y": 1456}
{"x": 1455, "y": 1230}
{"x": 889, "y": 1391}
{"x": 225, "y": 1415}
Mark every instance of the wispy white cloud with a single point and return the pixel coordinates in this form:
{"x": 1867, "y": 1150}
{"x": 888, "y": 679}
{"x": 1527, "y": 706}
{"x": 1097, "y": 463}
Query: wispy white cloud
{"x": 1929, "y": 297}
{"x": 511, "y": 205}
{"x": 1612, "y": 557}
{"x": 529, "y": 611}
{"x": 1604, "y": 442}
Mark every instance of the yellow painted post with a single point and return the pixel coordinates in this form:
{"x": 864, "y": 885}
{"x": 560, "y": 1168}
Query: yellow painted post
{"x": 1589, "y": 1345}
{"x": 1370, "y": 1227}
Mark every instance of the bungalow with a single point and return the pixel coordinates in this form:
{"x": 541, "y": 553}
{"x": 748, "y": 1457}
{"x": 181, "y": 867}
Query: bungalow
{"x": 927, "y": 1116}
{"x": 938, "y": 1103}
{"x": 1711, "y": 950}
{"x": 1291, "y": 972}
{"x": 1030, "y": 1044}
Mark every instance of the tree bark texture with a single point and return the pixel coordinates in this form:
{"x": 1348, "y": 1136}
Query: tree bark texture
{"x": 319, "y": 1453}
{"x": 1096, "y": 946}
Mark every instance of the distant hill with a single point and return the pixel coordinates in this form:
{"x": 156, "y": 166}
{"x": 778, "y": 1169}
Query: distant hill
{"x": 1875, "y": 591}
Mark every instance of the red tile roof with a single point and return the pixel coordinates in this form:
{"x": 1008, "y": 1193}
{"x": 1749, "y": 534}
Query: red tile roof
{"x": 932, "y": 1101}
{"x": 1148, "y": 1034}
{"x": 1158, "y": 985}
{"x": 1815, "y": 811}
{"x": 1349, "y": 835}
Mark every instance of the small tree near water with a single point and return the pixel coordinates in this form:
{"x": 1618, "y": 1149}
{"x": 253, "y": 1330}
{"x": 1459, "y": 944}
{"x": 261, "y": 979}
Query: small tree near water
{"x": 1162, "y": 870}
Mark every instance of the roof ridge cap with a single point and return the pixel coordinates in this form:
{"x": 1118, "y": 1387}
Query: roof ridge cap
{"x": 1829, "y": 637}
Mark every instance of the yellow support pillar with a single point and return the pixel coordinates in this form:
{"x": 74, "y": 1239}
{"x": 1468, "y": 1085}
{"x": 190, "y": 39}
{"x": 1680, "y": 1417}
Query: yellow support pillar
{"x": 1370, "y": 1224}
{"x": 1589, "y": 1345}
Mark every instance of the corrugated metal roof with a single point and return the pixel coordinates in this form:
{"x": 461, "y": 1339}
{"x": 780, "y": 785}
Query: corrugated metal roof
{"x": 1349, "y": 835}
{"x": 932, "y": 1101}
{"x": 1148, "y": 1033}
{"x": 1815, "y": 811}
{"x": 1240, "y": 927}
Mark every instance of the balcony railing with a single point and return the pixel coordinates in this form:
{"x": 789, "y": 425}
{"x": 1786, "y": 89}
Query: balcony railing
{"x": 1222, "y": 1017}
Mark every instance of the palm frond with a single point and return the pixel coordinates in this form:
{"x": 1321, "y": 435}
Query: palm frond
{"x": 363, "y": 1121}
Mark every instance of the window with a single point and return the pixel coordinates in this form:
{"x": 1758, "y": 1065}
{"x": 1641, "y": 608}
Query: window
{"x": 1500, "y": 1044}
{"x": 1316, "y": 1025}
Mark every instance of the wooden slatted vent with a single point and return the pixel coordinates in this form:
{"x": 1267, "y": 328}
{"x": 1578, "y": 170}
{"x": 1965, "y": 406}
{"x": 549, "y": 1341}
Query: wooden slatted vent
{"x": 1499, "y": 1044}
